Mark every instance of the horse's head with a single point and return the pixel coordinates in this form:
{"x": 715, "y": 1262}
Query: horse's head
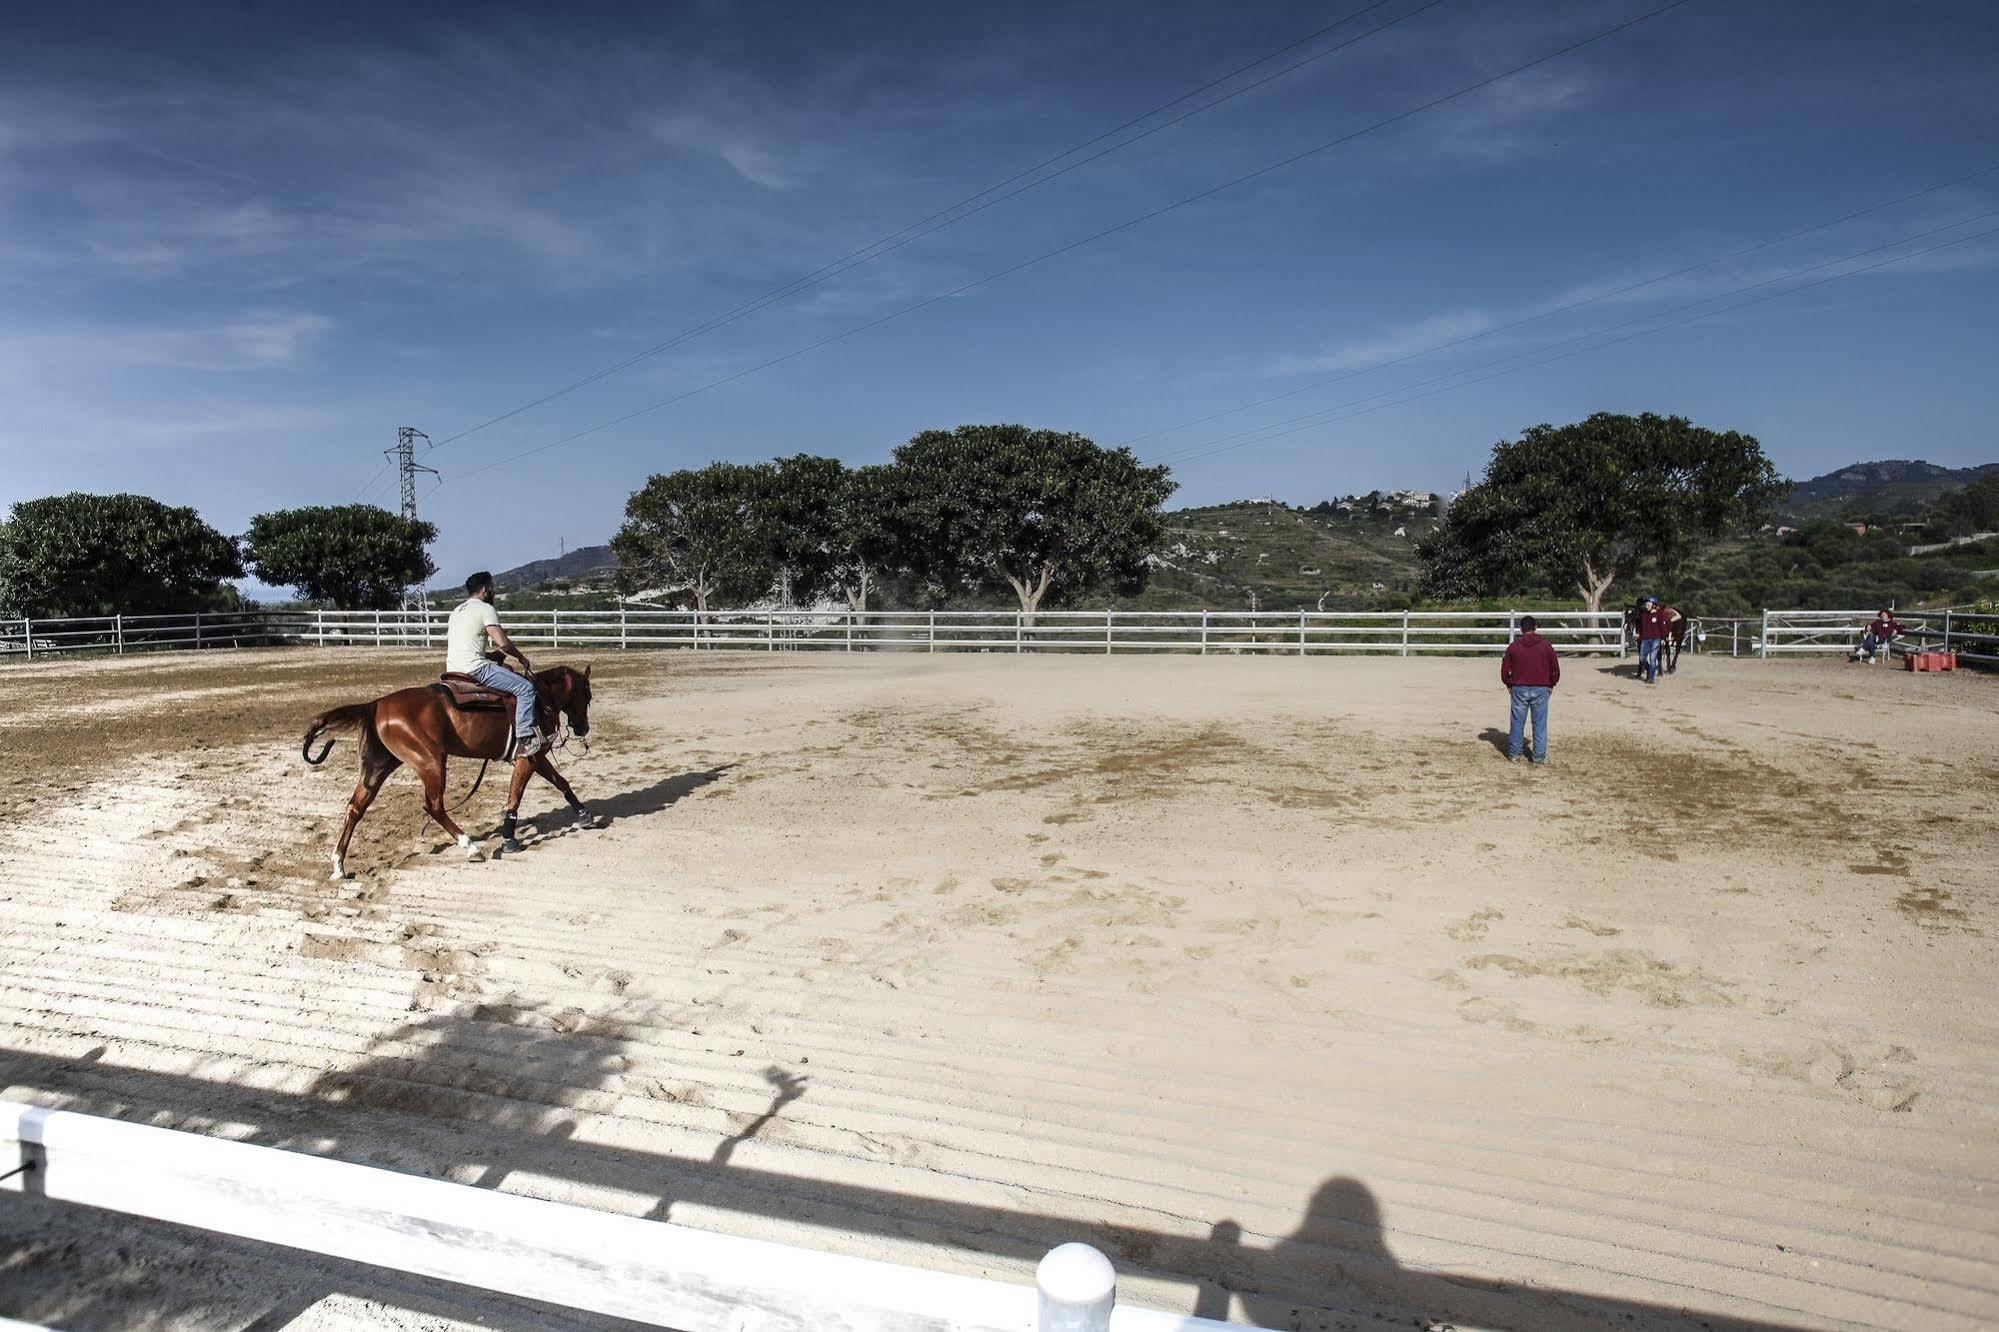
{"x": 569, "y": 690}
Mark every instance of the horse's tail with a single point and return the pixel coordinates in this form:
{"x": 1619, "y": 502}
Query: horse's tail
{"x": 333, "y": 720}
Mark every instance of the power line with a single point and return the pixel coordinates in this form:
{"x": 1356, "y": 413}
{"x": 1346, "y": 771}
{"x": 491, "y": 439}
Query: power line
{"x": 1563, "y": 309}
{"x": 895, "y": 240}
{"x": 1646, "y": 332}
{"x": 1127, "y": 225}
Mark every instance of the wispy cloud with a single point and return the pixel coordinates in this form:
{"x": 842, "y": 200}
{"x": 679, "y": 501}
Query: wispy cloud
{"x": 257, "y": 340}
{"x": 1388, "y": 345}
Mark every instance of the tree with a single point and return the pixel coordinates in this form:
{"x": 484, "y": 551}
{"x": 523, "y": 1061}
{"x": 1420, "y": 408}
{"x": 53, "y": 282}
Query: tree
{"x": 1050, "y": 515}
{"x": 357, "y": 556}
{"x": 1585, "y": 504}
{"x": 83, "y": 554}
{"x": 705, "y": 531}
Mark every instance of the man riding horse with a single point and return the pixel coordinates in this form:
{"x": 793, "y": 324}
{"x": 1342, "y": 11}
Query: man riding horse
{"x": 464, "y": 714}
{"x": 474, "y": 625}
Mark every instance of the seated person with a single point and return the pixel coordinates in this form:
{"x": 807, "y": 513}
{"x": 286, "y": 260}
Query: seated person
{"x": 1884, "y": 630}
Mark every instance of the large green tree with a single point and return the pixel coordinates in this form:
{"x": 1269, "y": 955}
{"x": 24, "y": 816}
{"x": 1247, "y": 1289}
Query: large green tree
{"x": 357, "y": 556}
{"x": 1583, "y": 505}
{"x": 705, "y": 531}
{"x": 1049, "y": 515}
{"x": 103, "y": 554}
{"x": 837, "y": 530}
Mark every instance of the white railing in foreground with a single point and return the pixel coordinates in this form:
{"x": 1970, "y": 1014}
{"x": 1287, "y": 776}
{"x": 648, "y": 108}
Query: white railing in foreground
{"x": 647, "y": 1271}
{"x": 1298, "y": 633}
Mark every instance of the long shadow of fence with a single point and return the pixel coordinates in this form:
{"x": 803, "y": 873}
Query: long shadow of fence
{"x": 494, "y": 1090}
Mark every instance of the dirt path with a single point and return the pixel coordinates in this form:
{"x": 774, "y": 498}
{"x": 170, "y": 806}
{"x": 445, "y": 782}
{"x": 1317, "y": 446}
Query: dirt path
{"x": 1267, "y": 976}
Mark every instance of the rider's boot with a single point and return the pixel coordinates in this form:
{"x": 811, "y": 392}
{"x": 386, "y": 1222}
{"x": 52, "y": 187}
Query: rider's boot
{"x": 531, "y": 744}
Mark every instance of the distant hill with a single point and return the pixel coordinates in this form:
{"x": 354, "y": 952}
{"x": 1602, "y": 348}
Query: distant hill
{"x": 1219, "y": 555}
{"x": 578, "y": 563}
{"x": 1894, "y": 485}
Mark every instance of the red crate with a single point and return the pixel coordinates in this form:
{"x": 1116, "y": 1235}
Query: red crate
{"x": 1931, "y": 661}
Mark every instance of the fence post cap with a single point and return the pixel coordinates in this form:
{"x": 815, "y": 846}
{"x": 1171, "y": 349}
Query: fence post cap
{"x": 1075, "y": 1273}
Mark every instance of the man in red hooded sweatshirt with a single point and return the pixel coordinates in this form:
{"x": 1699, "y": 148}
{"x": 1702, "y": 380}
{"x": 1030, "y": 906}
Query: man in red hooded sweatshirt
{"x": 1530, "y": 670}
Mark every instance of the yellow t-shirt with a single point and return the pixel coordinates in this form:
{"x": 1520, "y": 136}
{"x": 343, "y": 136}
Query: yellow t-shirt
{"x": 465, "y": 650}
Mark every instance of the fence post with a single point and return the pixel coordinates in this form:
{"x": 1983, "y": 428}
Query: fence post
{"x": 28, "y": 636}
{"x": 1946, "y": 629}
{"x": 1075, "y": 1288}
{"x": 1107, "y": 631}
{"x": 1018, "y": 621}
{"x": 119, "y": 628}
{"x": 1405, "y": 633}
{"x": 850, "y": 628}
{"x": 1512, "y": 625}
{"x": 623, "y": 631}
{"x": 1301, "y": 633}
{"x": 1763, "y": 650}
{"x": 1204, "y": 631}
{"x": 555, "y": 628}
{"x": 378, "y": 628}
{"x": 770, "y": 630}
{"x": 1734, "y": 639}
{"x": 932, "y": 644}
{"x": 197, "y": 628}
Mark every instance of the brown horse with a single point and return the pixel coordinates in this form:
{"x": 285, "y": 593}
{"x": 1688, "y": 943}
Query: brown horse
{"x": 423, "y": 727}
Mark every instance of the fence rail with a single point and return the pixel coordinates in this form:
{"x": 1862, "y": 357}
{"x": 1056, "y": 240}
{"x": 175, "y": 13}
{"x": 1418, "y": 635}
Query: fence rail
{"x": 1295, "y": 633}
{"x": 651, "y": 1272}
{"x": 1972, "y": 637}
{"x": 1301, "y": 633}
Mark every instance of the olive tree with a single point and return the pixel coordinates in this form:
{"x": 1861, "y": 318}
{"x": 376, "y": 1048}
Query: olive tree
{"x": 357, "y": 556}
{"x": 1588, "y": 503}
{"x": 84, "y": 554}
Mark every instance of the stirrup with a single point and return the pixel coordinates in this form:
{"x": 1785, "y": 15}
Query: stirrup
{"x": 530, "y": 745}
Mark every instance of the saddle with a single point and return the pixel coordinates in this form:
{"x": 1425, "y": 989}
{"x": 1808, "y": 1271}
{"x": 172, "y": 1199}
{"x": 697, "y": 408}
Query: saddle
{"x": 469, "y": 694}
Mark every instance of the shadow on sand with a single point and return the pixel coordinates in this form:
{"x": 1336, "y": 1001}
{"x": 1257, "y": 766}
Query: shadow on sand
{"x": 492, "y": 1089}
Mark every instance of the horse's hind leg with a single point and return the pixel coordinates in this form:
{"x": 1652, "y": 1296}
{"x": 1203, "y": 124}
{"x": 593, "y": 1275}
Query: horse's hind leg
{"x": 431, "y": 770}
{"x": 376, "y": 765}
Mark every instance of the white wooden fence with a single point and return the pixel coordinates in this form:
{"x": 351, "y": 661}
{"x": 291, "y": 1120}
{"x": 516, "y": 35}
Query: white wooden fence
{"x": 575, "y": 1257}
{"x": 1298, "y": 633}
{"x": 1787, "y": 633}
{"x": 1285, "y": 633}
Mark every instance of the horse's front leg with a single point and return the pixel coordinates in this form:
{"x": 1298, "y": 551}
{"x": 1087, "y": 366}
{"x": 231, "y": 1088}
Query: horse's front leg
{"x": 523, "y": 769}
{"x": 584, "y": 818}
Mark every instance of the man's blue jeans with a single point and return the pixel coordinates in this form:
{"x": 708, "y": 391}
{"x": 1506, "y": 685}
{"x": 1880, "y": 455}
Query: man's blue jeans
{"x": 1648, "y": 657}
{"x": 1529, "y": 699}
{"x": 522, "y": 688}
{"x": 1871, "y": 645}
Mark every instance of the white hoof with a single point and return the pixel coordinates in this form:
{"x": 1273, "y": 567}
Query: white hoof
{"x": 472, "y": 854}
{"x": 339, "y": 870}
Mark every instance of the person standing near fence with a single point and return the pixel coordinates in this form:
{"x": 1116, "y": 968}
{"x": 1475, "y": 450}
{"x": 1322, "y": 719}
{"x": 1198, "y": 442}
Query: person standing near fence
{"x": 1530, "y": 670}
{"x": 1654, "y": 624}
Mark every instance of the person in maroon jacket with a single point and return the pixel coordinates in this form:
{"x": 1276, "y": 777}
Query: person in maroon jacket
{"x": 1654, "y": 626}
{"x": 1884, "y": 630}
{"x": 1530, "y": 670}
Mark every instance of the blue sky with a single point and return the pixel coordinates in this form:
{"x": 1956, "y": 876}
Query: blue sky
{"x": 240, "y": 245}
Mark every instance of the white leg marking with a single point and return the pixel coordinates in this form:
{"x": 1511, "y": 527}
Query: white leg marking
{"x": 339, "y": 870}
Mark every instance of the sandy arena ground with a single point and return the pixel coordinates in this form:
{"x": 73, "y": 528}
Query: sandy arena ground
{"x": 1265, "y": 975}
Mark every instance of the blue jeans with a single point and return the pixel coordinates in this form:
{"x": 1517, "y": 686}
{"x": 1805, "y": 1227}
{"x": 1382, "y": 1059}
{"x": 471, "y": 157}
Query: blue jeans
{"x": 1529, "y": 699}
{"x": 522, "y": 688}
{"x": 1648, "y": 657}
{"x": 1871, "y": 645}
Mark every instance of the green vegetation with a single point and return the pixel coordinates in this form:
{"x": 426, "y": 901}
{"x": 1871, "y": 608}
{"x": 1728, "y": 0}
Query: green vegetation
{"x": 1579, "y": 506}
{"x": 354, "y": 556}
{"x": 77, "y": 554}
